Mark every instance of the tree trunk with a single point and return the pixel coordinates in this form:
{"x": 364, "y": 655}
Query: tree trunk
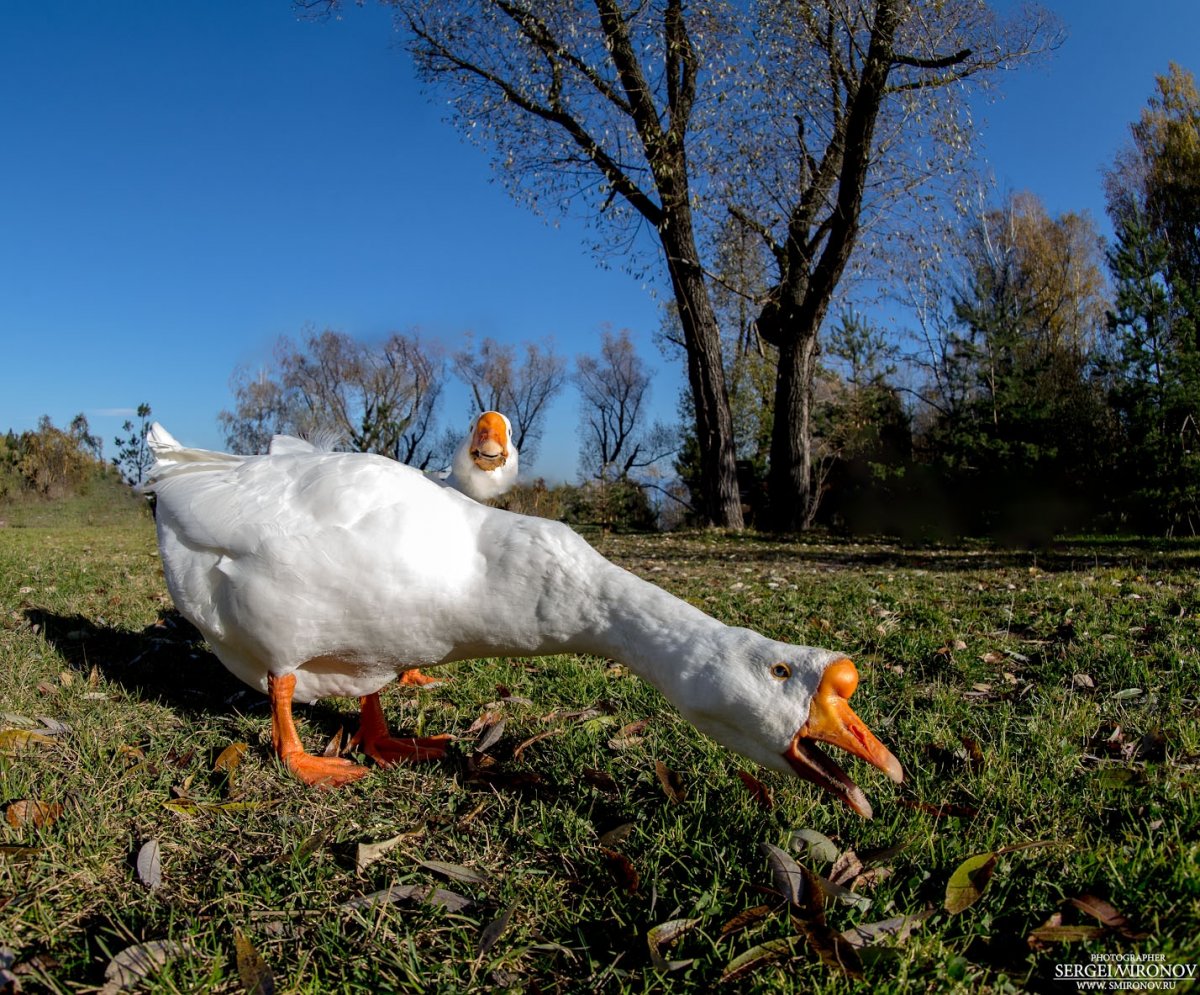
{"x": 720, "y": 501}
{"x": 789, "y": 481}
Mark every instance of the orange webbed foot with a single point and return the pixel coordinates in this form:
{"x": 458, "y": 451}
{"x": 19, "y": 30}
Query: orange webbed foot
{"x": 323, "y": 772}
{"x": 414, "y": 678}
{"x": 385, "y": 749}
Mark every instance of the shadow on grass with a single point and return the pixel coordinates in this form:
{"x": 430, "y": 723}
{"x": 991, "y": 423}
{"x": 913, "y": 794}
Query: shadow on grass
{"x": 166, "y": 662}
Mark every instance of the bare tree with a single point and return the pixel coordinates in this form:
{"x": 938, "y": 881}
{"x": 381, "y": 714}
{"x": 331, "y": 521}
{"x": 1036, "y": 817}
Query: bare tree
{"x": 522, "y": 390}
{"x": 378, "y": 398}
{"x": 614, "y": 387}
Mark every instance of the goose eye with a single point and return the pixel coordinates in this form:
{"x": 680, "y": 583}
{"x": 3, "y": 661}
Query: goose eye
{"x": 781, "y": 671}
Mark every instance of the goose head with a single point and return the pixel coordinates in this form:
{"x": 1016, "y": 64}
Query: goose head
{"x": 490, "y": 441}
{"x": 774, "y": 702}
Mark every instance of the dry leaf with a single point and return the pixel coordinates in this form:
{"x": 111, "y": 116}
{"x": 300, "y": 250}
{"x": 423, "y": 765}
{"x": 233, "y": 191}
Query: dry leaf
{"x": 133, "y": 964}
{"x": 16, "y": 740}
{"x": 253, "y": 970}
{"x": 664, "y": 935}
{"x": 488, "y": 718}
{"x": 490, "y": 736}
{"x": 758, "y": 791}
{"x": 745, "y": 919}
{"x": 787, "y": 874}
{"x": 628, "y": 736}
{"x": 149, "y": 865}
{"x": 756, "y": 957}
{"x": 41, "y": 814}
{"x": 533, "y": 739}
{"x": 671, "y": 781}
{"x": 622, "y": 870}
{"x": 491, "y": 933}
{"x": 599, "y": 779}
{"x": 1099, "y": 909}
{"x": 230, "y": 757}
{"x": 819, "y": 847}
{"x": 992, "y": 657}
{"x": 900, "y": 927}
{"x": 367, "y": 853}
{"x": 843, "y": 895}
{"x": 616, "y": 834}
{"x": 847, "y": 866}
{"x": 456, "y": 872}
{"x": 449, "y": 900}
{"x": 967, "y": 883}
{"x": 334, "y": 747}
{"x": 868, "y": 879}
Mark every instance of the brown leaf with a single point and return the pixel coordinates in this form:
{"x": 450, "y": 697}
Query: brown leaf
{"x": 230, "y": 757}
{"x": 992, "y": 657}
{"x": 492, "y": 932}
{"x": 334, "y": 747}
{"x": 449, "y": 900}
{"x": 600, "y": 779}
{"x": 847, "y": 866}
{"x": 135, "y": 963}
{"x": 868, "y": 879}
{"x": 665, "y": 935}
{"x": 533, "y": 739}
{"x": 789, "y": 876}
{"x": 834, "y": 949}
{"x": 616, "y": 834}
{"x": 253, "y": 970}
{"x": 1053, "y": 931}
{"x": 490, "y": 736}
{"x": 745, "y": 919}
{"x": 671, "y": 781}
{"x": 488, "y": 718}
{"x": 41, "y": 814}
{"x": 456, "y": 872}
{"x": 974, "y": 752}
{"x": 756, "y": 957}
{"x": 758, "y": 791}
{"x": 1099, "y": 909}
{"x": 967, "y": 883}
{"x": 149, "y": 865}
{"x": 622, "y": 870}
{"x": 628, "y": 736}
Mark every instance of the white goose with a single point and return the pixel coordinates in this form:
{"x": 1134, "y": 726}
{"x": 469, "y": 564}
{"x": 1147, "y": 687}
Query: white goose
{"x": 485, "y": 465}
{"x": 314, "y": 574}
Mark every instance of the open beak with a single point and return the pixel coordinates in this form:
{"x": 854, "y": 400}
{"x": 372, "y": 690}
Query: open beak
{"x": 831, "y": 720}
{"x": 489, "y": 441}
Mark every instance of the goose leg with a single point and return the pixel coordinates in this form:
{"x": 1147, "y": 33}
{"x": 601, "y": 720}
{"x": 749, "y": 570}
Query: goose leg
{"x": 386, "y": 749}
{"x": 328, "y": 772}
{"x": 414, "y": 678}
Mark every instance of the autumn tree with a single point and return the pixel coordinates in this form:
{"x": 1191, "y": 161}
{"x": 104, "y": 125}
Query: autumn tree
{"x": 614, "y": 388}
{"x": 378, "y": 398}
{"x": 1153, "y": 199}
{"x": 523, "y": 390}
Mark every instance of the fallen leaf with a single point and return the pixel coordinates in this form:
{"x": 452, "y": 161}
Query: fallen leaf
{"x": 758, "y": 791}
{"x": 671, "y": 781}
{"x": 615, "y": 835}
{"x": 628, "y": 736}
{"x": 967, "y": 883}
{"x": 1115, "y": 778}
{"x": 1082, "y": 681}
{"x": 1099, "y": 909}
{"x": 20, "y": 852}
{"x": 843, "y": 895}
{"x": 1053, "y": 931}
{"x": 365, "y": 854}
{"x": 819, "y": 847}
{"x": 135, "y": 963}
{"x": 974, "y": 751}
{"x": 17, "y": 740}
{"x": 745, "y": 919}
{"x": 334, "y": 747}
{"x": 992, "y": 657}
{"x": 664, "y": 935}
{"x": 869, "y": 878}
{"x": 622, "y": 870}
{"x": 456, "y": 872}
{"x": 756, "y": 957}
{"x": 490, "y": 736}
{"x": 449, "y": 900}
{"x": 1127, "y": 693}
{"x": 41, "y": 814}
{"x": 901, "y": 927}
{"x": 230, "y": 757}
{"x": 149, "y": 865}
{"x": 533, "y": 739}
{"x": 600, "y": 779}
{"x": 306, "y": 849}
{"x": 786, "y": 873}
{"x": 491, "y": 933}
{"x": 846, "y": 867}
{"x": 189, "y": 806}
{"x": 253, "y": 969}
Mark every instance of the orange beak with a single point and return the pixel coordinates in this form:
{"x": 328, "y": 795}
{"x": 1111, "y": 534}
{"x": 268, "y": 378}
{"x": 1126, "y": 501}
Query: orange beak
{"x": 489, "y": 442}
{"x": 831, "y": 720}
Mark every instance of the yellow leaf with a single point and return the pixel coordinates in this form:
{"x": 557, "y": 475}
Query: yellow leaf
{"x": 16, "y": 740}
{"x": 230, "y": 757}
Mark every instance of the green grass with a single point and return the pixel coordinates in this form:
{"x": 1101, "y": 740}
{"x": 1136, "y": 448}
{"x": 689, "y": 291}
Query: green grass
{"x": 973, "y": 662}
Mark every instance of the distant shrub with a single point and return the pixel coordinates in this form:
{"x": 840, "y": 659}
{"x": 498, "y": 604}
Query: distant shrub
{"x": 614, "y": 506}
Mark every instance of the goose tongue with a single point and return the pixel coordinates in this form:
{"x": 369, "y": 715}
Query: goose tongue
{"x": 831, "y": 720}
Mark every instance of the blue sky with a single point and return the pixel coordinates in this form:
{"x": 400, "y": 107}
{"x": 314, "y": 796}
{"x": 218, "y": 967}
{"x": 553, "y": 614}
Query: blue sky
{"x": 180, "y": 184}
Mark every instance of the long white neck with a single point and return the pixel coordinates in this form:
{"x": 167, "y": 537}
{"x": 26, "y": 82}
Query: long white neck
{"x": 567, "y": 598}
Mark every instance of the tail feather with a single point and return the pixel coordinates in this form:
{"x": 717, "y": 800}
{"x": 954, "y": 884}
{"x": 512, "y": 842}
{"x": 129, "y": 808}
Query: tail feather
{"x": 172, "y": 458}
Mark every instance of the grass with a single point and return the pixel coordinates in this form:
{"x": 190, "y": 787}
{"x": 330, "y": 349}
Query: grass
{"x": 1043, "y": 698}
